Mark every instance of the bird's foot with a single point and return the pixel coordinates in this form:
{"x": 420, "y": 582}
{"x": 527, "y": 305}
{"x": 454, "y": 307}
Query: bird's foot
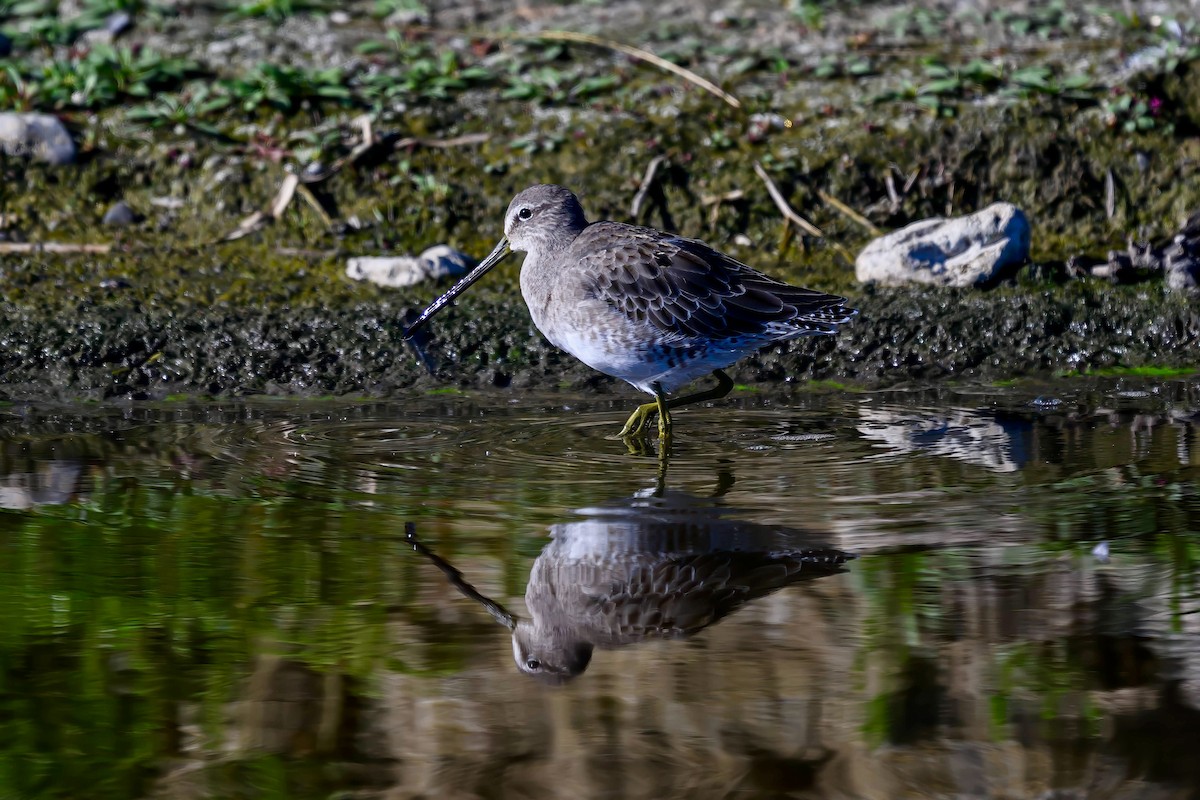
{"x": 639, "y": 420}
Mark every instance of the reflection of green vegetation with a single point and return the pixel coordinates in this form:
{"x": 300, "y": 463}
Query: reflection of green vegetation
{"x": 122, "y": 610}
{"x": 1034, "y": 671}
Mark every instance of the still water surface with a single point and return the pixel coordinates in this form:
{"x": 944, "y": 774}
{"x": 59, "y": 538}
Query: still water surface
{"x": 960, "y": 593}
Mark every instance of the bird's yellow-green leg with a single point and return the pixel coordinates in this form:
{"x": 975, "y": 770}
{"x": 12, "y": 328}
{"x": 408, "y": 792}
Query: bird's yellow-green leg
{"x": 638, "y": 420}
{"x": 664, "y": 416}
{"x": 724, "y": 386}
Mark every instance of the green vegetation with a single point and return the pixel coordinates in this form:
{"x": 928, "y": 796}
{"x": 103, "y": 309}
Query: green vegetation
{"x": 1146, "y": 371}
{"x": 96, "y": 78}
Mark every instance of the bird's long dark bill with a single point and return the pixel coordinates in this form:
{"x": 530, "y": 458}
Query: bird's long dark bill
{"x": 497, "y": 255}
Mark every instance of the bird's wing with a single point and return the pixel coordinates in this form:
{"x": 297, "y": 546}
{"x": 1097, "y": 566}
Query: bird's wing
{"x": 687, "y": 289}
{"x": 680, "y": 596}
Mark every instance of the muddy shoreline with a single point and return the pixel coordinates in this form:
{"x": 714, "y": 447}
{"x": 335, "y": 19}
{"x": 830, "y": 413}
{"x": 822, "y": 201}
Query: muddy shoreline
{"x": 901, "y": 337}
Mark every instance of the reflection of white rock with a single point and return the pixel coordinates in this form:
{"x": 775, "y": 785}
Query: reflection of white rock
{"x": 53, "y": 484}
{"x": 395, "y": 271}
{"x": 962, "y": 251}
{"x": 958, "y": 433}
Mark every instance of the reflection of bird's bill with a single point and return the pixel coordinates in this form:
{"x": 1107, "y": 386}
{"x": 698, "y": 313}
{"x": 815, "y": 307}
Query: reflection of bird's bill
{"x": 498, "y": 612}
{"x": 498, "y": 254}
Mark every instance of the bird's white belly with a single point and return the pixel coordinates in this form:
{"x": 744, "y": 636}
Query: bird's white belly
{"x": 609, "y": 342}
{"x": 638, "y": 364}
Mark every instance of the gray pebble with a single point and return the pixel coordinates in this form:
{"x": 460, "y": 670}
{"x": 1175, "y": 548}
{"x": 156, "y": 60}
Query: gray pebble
{"x": 118, "y": 23}
{"x": 120, "y": 215}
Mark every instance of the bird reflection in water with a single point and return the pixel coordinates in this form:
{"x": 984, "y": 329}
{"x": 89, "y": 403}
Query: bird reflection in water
{"x": 659, "y": 565}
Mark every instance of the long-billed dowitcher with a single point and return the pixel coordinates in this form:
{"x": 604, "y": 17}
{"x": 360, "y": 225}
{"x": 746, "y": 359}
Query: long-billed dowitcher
{"x": 651, "y": 308}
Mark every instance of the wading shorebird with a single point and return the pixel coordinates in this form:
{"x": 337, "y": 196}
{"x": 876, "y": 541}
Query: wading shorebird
{"x": 651, "y": 308}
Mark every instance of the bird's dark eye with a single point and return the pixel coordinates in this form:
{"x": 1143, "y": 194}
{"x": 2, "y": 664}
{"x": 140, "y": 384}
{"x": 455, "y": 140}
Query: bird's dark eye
{"x": 524, "y": 213}
{"x": 533, "y": 663}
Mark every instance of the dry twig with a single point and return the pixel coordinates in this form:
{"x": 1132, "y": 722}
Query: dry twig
{"x": 64, "y": 248}
{"x": 782, "y": 204}
{"x": 639, "y": 54}
{"x": 848, "y": 212}
{"x": 315, "y": 204}
{"x": 716, "y": 201}
{"x": 259, "y": 219}
{"x": 643, "y": 191}
{"x": 1110, "y": 195}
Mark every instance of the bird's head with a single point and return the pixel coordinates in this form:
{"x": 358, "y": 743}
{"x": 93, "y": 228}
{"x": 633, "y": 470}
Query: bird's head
{"x": 551, "y": 655}
{"x": 543, "y": 217}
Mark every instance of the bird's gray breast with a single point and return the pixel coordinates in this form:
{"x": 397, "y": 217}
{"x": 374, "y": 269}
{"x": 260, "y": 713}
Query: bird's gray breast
{"x": 563, "y": 305}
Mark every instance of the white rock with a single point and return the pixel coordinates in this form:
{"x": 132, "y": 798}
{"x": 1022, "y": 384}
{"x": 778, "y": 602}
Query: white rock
{"x": 439, "y": 261}
{"x": 39, "y": 136}
{"x": 1181, "y": 263}
{"x": 962, "y": 251}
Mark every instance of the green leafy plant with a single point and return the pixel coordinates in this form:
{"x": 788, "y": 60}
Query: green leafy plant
{"x": 921, "y": 23}
{"x": 187, "y": 109}
{"x": 16, "y": 94}
{"x": 385, "y": 8}
{"x": 283, "y": 88}
{"x": 1048, "y": 21}
{"x": 276, "y": 10}
{"x": 419, "y": 73}
{"x": 1132, "y": 113}
{"x": 93, "y": 78}
{"x": 853, "y": 66}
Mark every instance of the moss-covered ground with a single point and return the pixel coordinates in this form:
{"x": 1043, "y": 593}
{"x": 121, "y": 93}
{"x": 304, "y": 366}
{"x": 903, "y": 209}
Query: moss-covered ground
{"x": 1087, "y": 119}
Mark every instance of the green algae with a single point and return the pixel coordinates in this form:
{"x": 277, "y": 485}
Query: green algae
{"x": 1144, "y": 371}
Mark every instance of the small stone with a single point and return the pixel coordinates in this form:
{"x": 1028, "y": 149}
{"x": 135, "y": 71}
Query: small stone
{"x": 961, "y": 251}
{"x": 761, "y": 125}
{"x": 339, "y": 18}
{"x": 114, "y": 26}
{"x": 118, "y": 23}
{"x": 120, "y": 215}
{"x": 42, "y": 137}
{"x": 1181, "y": 267}
{"x": 1100, "y": 552}
{"x": 396, "y": 271}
